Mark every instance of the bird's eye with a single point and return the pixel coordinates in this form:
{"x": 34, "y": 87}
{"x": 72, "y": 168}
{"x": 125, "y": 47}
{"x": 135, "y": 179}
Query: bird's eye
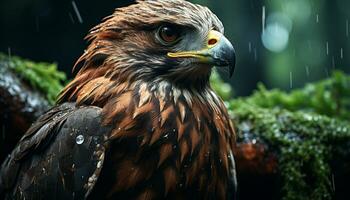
{"x": 169, "y": 34}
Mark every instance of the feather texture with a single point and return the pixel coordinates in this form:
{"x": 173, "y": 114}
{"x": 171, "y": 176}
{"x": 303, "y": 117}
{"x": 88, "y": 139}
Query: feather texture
{"x": 150, "y": 128}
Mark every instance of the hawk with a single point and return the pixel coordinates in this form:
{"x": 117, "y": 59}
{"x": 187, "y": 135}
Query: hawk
{"x": 139, "y": 120}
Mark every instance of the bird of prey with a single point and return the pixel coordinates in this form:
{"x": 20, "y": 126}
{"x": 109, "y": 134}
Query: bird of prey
{"x": 139, "y": 120}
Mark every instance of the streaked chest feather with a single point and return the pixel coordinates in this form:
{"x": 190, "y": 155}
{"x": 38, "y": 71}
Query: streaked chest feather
{"x": 177, "y": 138}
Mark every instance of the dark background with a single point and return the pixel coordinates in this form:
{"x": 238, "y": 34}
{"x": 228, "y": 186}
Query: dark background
{"x": 302, "y": 40}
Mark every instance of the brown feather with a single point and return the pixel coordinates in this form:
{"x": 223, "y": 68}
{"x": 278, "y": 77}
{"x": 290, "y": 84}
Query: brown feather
{"x": 195, "y": 139}
{"x": 184, "y": 149}
{"x": 203, "y": 156}
{"x": 162, "y": 104}
{"x": 143, "y": 110}
{"x": 117, "y": 106}
{"x": 165, "y": 115}
{"x": 145, "y": 95}
{"x": 165, "y": 152}
{"x": 182, "y": 111}
{"x": 223, "y": 153}
{"x": 192, "y": 172}
{"x": 130, "y": 174}
{"x": 147, "y": 194}
{"x": 170, "y": 180}
{"x": 157, "y": 133}
{"x": 181, "y": 127}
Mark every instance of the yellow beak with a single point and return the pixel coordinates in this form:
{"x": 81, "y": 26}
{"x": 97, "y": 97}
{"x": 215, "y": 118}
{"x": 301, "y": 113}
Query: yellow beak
{"x": 218, "y": 51}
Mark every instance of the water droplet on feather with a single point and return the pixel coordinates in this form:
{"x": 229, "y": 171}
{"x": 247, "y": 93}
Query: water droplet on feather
{"x": 79, "y": 139}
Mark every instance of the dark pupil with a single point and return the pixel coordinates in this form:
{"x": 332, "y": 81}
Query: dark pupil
{"x": 169, "y": 34}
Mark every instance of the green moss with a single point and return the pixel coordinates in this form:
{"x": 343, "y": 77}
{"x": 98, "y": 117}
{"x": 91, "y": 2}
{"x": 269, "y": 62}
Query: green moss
{"x": 329, "y": 97}
{"x": 305, "y": 144}
{"x": 41, "y": 76}
{"x": 304, "y": 127}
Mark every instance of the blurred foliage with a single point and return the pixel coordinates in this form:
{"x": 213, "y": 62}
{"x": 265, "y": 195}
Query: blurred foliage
{"x": 223, "y": 89}
{"x": 330, "y": 97}
{"x": 306, "y": 127}
{"x": 41, "y": 76}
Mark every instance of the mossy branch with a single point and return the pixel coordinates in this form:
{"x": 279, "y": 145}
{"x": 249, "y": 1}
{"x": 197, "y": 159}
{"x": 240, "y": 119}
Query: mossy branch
{"x": 304, "y": 127}
{"x": 306, "y": 144}
{"x": 41, "y": 76}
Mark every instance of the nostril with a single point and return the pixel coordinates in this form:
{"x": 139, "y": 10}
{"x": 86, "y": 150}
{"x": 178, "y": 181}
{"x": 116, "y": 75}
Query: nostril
{"x": 212, "y": 41}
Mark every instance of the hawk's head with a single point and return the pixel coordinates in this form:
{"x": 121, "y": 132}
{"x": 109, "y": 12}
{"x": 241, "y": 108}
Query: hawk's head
{"x": 157, "y": 40}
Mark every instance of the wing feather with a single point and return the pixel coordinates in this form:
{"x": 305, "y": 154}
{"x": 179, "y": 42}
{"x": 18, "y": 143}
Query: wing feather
{"x": 61, "y": 155}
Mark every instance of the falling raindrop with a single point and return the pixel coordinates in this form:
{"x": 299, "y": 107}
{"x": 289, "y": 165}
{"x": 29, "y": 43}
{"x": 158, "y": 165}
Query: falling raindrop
{"x": 255, "y": 54}
{"x": 341, "y": 53}
{"x": 347, "y": 28}
{"x": 327, "y": 48}
{"x": 9, "y": 52}
{"x": 307, "y": 71}
{"x": 333, "y": 183}
{"x": 79, "y": 139}
{"x": 291, "y": 79}
{"x": 71, "y": 18}
{"x": 250, "y": 47}
{"x": 77, "y": 12}
{"x": 263, "y": 18}
{"x": 317, "y": 18}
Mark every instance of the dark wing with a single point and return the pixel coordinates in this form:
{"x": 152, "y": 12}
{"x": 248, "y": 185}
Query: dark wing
{"x": 60, "y": 157}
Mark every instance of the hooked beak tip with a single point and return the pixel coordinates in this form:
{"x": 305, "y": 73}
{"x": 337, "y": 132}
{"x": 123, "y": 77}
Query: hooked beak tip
{"x": 224, "y": 55}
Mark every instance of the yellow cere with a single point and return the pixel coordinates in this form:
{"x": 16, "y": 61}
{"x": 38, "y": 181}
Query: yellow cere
{"x": 202, "y": 55}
